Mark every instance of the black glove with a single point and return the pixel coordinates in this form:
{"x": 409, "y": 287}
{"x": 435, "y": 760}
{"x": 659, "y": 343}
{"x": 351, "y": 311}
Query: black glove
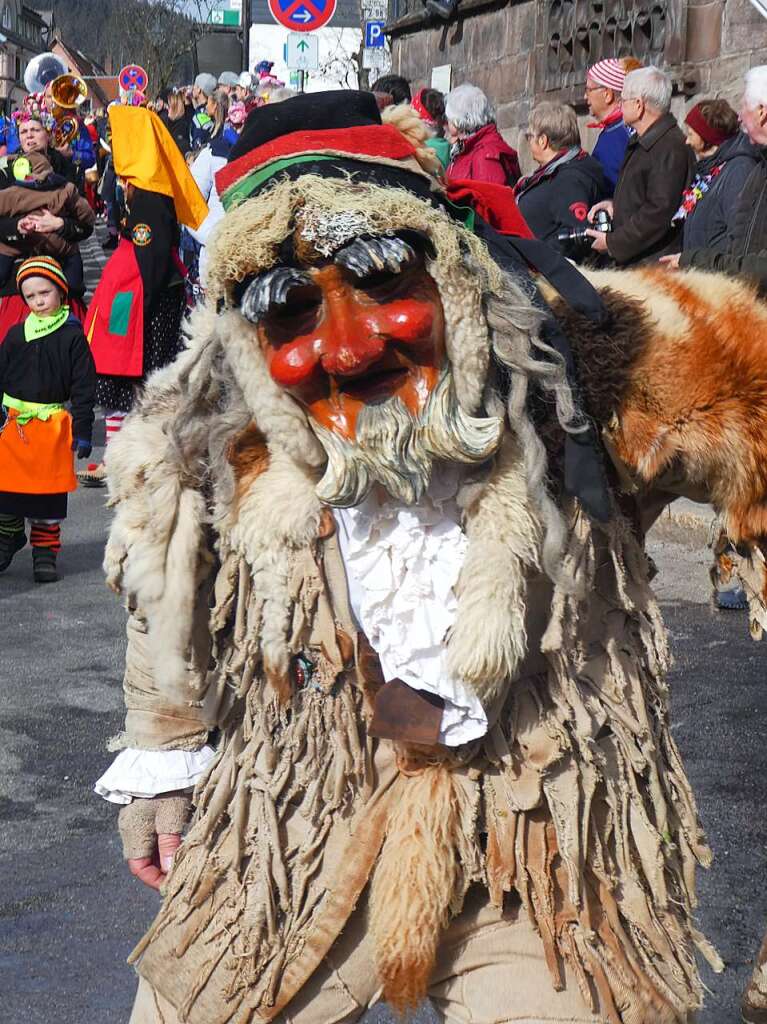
{"x": 83, "y": 448}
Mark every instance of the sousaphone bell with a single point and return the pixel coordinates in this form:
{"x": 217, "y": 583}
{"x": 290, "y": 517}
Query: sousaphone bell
{"x": 65, "y": 94}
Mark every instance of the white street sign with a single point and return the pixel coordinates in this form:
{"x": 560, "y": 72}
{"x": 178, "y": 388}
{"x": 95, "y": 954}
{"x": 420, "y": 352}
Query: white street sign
{"x": 374, "y": 10}
{"x": 376, "y": 58}
{"x": 440, "y": 78}
{"x": 303, "y": 51}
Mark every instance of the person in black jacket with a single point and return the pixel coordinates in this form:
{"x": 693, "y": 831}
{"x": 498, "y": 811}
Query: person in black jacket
{"x": 44, "y": 362}
{"x": 568, "y": 182}
{"x": 726, "y": 157}
{"x": 177, "y": 118}
{"x": 657, "y": 168}
{"x": 746, "y": 253}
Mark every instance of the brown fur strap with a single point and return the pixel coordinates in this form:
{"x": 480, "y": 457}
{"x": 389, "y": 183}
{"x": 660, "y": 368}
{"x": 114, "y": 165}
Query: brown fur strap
{"x": 413, "y": 885}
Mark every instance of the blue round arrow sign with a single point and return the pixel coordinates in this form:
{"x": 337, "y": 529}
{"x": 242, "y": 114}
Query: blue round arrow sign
{"x": 302, "y": 15}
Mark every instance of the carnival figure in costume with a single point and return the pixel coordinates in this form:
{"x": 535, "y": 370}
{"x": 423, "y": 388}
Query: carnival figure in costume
{"x": 365, "y": 534}
{"x": 134, "y": 321}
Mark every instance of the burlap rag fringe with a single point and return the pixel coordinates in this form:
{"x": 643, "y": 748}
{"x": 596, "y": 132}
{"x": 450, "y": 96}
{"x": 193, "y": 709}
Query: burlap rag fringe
{"x": 579, "y": 790}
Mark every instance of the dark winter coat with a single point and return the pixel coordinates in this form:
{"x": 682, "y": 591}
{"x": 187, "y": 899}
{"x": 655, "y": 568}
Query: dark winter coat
{"x": 560, "y": 195}
{"x": 180, "y": 130}
{"x": 485, "y": 156}
{"x": 657, "y": 168}
{"x": 747, "y": 253}
{"x": 709, "y": 224}
{"x": 58, "y": 368}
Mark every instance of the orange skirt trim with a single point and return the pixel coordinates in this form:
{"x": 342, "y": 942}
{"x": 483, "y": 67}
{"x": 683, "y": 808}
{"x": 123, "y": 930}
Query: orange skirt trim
{"x": 37, "y": 458}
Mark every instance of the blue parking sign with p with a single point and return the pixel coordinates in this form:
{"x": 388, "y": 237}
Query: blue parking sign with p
{"x": 374, "y": 34}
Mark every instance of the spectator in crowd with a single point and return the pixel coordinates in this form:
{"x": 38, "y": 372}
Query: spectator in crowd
{"x": 568, "y": 182}
{"x": 235, "y": 120}
{"x": 9, "y": 136}
{"x": 429, "y": 104}
{"x": 656, "y": 170}
{"x": 177, "y": 118}
{"x": 202, "y": 125}
{"x": 395, "y": 86}
{"x": 244, "y": 88}
{"x": 208, "y": 162}
{"x": 726, "y": 157}
{"x": 228, "y": 81}
{"x": 478, "y": 151}
{"x": 604, "y": 85}
{"x": 746, "y": 252}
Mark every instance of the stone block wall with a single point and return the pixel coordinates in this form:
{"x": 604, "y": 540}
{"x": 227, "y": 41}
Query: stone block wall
{"x": 500, "y": 47}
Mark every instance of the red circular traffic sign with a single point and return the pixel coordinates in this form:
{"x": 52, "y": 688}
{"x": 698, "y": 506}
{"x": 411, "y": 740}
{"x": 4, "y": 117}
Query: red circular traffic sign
{"x": 302, "y": 15}
{"x": 133, "y": 78}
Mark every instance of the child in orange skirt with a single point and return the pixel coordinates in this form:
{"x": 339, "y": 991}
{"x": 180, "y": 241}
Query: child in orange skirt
{"x": 44, "y": 362}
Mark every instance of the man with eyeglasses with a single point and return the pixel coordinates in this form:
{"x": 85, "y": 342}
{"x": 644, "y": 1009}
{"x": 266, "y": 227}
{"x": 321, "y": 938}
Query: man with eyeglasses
{"x": 656, "y": 169}
{"x": 604, "y": 85}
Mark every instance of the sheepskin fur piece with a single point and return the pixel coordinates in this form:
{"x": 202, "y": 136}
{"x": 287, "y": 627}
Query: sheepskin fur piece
{"x": 695, "y": 393}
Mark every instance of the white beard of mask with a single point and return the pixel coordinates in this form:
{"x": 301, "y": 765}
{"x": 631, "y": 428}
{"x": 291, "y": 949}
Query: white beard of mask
{"x": 397, "y": 450}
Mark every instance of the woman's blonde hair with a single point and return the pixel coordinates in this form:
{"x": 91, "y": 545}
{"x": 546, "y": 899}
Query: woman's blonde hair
{"x": 176, "y": 105}
{"x": 221, "y": 100}
{"x": 558, "y": 122}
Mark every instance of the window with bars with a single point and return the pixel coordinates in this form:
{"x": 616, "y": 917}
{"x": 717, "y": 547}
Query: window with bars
{"x": 581, "y": 32}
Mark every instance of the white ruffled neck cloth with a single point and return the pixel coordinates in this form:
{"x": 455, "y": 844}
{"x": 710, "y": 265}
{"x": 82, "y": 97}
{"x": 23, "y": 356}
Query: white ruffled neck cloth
{"x": 402, "y": 564}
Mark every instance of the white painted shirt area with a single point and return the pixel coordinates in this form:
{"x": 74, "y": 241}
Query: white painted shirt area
{"x": 402, "y": 565}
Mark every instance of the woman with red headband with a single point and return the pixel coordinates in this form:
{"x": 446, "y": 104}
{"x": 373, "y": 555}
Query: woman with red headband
{"x": 726, "y": 157}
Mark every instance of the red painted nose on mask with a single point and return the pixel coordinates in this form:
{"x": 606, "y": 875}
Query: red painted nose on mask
{"x": 346, "y": 357}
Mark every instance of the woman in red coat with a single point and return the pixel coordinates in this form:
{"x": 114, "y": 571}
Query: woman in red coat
{"x": 479, "y": 152}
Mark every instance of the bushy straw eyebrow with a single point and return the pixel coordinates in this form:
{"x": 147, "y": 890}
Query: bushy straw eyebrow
{"x": 270, "y": 289}
{"x": 366, "y": 256}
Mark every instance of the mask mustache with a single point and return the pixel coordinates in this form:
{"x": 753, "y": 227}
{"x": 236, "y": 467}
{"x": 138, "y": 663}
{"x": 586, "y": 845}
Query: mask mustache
{"x": 398, "y": 450}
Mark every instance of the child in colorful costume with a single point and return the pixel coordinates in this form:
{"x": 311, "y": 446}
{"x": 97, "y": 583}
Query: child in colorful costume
{"x": 44, "y": 363}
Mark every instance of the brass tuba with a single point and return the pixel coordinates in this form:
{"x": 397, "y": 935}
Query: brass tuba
{"x": 65, "y": 93}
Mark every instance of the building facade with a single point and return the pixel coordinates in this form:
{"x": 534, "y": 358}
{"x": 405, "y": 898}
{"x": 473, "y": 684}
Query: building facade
{"x": 523, "y": 51}
{"x": 24, "y": 34}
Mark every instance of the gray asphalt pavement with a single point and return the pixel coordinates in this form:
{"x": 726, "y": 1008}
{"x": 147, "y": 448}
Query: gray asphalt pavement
{"x": 69, "y": 911}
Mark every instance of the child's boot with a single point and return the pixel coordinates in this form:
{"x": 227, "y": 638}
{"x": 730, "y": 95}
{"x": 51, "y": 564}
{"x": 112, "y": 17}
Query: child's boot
{"x": 12, "y": 539}
{"x": 46, "y": 544}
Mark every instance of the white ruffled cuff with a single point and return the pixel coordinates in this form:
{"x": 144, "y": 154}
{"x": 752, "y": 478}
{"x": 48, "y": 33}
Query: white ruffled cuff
{"x": 147, "y": 773}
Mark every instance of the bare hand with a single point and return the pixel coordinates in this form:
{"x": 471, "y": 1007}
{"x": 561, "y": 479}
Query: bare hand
{"x": 671, "y": 262}
{"x": 153, "y": 871}
{"x": 605, "y": 204}
{"x": 45, "y": 223}
{"x": 600, "y": 240}
{"x": 25, "y": 226}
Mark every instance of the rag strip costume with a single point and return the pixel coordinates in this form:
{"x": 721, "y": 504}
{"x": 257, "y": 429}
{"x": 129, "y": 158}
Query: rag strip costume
{"x": 345, "y": 532}
{"x": 134, "y": 320}
{"x": 44, "y": 363}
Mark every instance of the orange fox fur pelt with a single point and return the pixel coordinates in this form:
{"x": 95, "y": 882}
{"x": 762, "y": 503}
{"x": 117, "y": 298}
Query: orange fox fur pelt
{"x": 679, "y": 379}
